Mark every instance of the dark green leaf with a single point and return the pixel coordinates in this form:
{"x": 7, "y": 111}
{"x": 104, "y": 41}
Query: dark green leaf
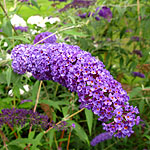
{"x": 89, "y": 118}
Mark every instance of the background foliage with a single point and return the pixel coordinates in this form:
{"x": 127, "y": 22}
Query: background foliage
{"x": 112, "y": 42}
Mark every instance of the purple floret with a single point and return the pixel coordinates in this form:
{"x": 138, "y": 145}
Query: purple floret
{"x": 51, "y": 39}
{"x": 82, "y": 15}
{"x": 21, "y": 117}
{"x": 138, "y": 52}
{"x": 23, "y": 0}
{"x": 138, "y": 74}
{"x": 97, "y": 18}
{"x": 82, "y": 73}
{"x": 22, "y": 29}
{"x": 105, "y": 12}
{"x": 15, "y": 117}
{"x": 101, "y": 137}
{"x": 25, "y": 100}
{"x": 135, "y": 38}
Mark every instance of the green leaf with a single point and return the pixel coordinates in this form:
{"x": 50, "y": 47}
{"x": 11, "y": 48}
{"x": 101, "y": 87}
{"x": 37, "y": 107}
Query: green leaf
{"x": 16, "y": 91}
{"x": 51, "y": 103}
{"x": 37, "y": 141}
{"x": 121, "y": 62}
{"x": 75, "y": 33}
{"x": 72, "y": 19}
{"x": 51, "y": 136}
{"x": 141, "y": 106}
{"x": 34, "y": 2}
{"x": 31, "y": 135}
{"x": 79, "y": 131}
{"x": 122, "y": 32}
{"x": 89, "y": 118}
{"x": 22, "y": 141}
{"x": 65, "y": 110}
{"x": 7, "y": 27}
{"x": 8, "y": 76}
{"x": 14, "y": 147}
{"x": 134, "y": 92}
{"x": 3, "y": 78}
{"x": 35, "y": 90}
{"x": 121, "y": 10}
{"x": 21, "y": 38}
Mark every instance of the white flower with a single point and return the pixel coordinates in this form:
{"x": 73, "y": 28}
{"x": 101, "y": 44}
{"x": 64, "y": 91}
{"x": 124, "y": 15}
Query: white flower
{"x": 33, "y": 31}
{"x": 17, "y": 21}
{"x": 8, "y": 56}
{"x": 38, "y": 20}
{"x": 10, "y": 92}
{"x": 28, "y": 74}
{"x": 5, "y": 44}
{"x": 26, "y": 88}
{"x": 51, "y": 20}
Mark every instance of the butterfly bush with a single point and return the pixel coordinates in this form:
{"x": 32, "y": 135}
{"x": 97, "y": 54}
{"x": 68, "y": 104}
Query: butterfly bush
{"x": 21, "y": 117}
{"x": 104, "y": 12}
{"x": 14, "y": 117}
{"x": 51, "y": 39}
{"x": 22, "y": 29}
{"x": 101, "y": 137}
{"x": 82, "y": 73}
{"x": 138, "y": 74}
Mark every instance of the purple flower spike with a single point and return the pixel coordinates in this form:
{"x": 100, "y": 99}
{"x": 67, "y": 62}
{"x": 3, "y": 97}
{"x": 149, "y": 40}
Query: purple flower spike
{"x": 26, "y": 100}
{"x": 138, "y": 52}
{"x": 23, "y": 0}
{"x": 21, "y": 116}
{"x": 22, "y": 29}
{"x": 91, "y": 14}
{"x": 15, "y": 117}
{"x": 82, "y": 15}
{"x": 97, "y": 18}
{"x": 78, "y": 71}
{"x": 138, "y": 74}
{"x": 43, "y": 35}
{"x": 135, "y": 38}
{"x": 101, "y": 137}
{"x": 106, "y": 13}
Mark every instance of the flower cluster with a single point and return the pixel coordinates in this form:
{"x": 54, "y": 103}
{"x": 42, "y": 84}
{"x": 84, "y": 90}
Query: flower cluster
{"x": 135, "y": 38}
{"x": 78, "y": 71}
{"x": 51, "y": 39}
{"x": 104, "y": 12}
{"x": 22, "y": 29}
{"x": 41, "y": 22}
{"x": 21, "y": 116}
{"x": 25, "y": 100}
{"x": 14, "y": 117}
{"x": 78, "y": 4}
{"x": 137, "y": 52}
{"x": 138, "y": 74}
{"x": 58, "y": 0}
{"x": 18, "y": 21}
{"x": 101, "y": 137}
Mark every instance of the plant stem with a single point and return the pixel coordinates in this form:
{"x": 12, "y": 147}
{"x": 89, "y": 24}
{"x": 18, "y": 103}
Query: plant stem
{"x": 69, "y": 140}
{"x": 37, "y": 98}
{"x": 5, "y": 5}
{"x": 4, "y": 139}
{"x": 65, "y": 119}
{"x": 7, "y": 16}
{"x": 67, "y": 28}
